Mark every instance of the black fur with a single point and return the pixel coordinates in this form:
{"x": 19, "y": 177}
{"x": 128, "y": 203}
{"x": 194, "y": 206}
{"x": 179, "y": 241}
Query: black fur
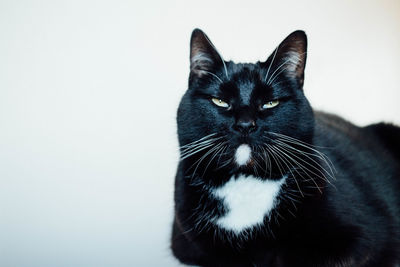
{"x": 342, "y": 209}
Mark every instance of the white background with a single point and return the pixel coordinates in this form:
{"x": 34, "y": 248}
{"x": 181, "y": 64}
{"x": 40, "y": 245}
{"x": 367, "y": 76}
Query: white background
{"x": 88, "y": 96}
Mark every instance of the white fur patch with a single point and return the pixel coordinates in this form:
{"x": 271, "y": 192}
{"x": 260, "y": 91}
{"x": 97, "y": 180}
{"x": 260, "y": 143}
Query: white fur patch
{"x": 242, "y": 155}
{"x": 248, "y": 200}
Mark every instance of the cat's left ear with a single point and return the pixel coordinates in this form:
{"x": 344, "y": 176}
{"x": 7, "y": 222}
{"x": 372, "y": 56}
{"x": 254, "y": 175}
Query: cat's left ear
{"x": 289, "y": 59}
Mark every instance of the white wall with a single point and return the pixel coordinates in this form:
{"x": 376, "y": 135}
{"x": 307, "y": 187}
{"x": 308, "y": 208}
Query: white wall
{"x": 88, "y": 95}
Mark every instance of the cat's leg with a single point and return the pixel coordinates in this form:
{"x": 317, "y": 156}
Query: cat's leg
{"x": 185, "y": 250}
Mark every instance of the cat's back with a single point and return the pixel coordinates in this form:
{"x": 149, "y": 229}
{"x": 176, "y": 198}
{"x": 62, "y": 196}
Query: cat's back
{"x": 366, "y": 187}
{"x": 381, "y": 139}
{"x": 366, "y": 161}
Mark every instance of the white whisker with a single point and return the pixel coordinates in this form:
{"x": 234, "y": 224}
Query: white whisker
{"x": 196, "y": 151}
{"x": 223, "y": 62}
{"x": 308, "y": 146}
{"x": 270, "y": 64}
{"x": 280, "y": 66}
{"x": 300, "y": 165}
{"x": 283, "y": 159}
{"x": 218, "y": 78}
{"x": 219, "y": 146}
{"x": 204, "y": 137}
{"x": 293, "y": 150}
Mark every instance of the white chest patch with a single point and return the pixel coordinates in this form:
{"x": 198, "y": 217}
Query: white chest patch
{"x": 247, "y": 200}
{"x": 242, "y": 155}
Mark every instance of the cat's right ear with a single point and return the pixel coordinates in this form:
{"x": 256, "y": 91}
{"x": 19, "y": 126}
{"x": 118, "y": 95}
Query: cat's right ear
{"x": 204, "y": 58}
{"x": 288, "y": 59}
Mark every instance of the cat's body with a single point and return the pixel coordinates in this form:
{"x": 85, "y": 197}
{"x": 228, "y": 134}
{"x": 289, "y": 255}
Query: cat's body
{"x": 277, "y": 184}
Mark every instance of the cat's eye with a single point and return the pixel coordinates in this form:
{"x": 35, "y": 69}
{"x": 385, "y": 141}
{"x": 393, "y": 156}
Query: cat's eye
{"x": 270, "y": 104}
{"x": 220, "y": 103}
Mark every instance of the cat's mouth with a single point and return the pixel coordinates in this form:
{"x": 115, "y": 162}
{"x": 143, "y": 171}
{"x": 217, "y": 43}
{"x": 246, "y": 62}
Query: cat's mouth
{"x": 247, "y": 160}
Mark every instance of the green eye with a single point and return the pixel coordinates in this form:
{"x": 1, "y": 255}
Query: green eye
{"x": 220, "y": 103}
{"x": 270, "y": 104}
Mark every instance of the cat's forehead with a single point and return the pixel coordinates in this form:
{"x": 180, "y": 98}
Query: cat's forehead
{"x": 245, "y": 89}
{"x": 245, "y": 76}
{"x": 241, "y": 67}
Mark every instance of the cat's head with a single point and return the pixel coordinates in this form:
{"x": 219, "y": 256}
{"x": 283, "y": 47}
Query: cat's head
{"x": 232, "y": 112}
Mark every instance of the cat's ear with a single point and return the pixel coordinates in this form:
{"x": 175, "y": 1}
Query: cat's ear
{"x": 289, "y": 59}
{"x": 204, "y": 58}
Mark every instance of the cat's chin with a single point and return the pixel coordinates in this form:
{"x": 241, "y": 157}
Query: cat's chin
{"x": 245, "y": 163}
{"x": 243, "y": 155}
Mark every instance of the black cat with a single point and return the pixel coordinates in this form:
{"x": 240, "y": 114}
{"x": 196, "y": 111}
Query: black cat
{"x": 266, "y": 181}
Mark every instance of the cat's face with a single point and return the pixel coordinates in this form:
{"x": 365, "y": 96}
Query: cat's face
{"x": 233, "y": 111}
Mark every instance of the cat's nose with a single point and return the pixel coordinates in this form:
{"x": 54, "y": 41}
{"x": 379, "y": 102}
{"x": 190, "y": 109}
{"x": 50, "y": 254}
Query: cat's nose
{"x": 245, "y": 125}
